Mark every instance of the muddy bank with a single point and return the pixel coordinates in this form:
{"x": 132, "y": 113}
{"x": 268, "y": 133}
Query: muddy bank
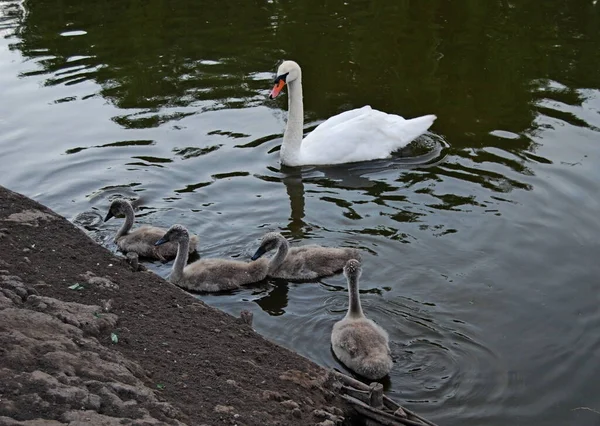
{"x": 86, "y": 340}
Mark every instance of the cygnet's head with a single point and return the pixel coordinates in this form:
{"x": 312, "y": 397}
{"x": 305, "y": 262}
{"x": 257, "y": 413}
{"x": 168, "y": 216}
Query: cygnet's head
{"x": 352, "y": 269}
{"x": 287, "y": 72}
{"x": 269, "y": 242}
{"x": 175, "y": 233}
{"x": 118, "y": 207}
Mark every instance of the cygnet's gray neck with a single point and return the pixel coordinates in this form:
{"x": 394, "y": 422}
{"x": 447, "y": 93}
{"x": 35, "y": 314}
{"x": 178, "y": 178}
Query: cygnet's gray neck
{"x": 129, "y": 218}
{"x": 282, "y": 251}
{"x": 183, "y": 246}
{"x": 354, "y": 308}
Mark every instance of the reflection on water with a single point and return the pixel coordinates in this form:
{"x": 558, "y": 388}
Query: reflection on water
{"x": 275, "y": 301}
{"x": 479, "y": 240}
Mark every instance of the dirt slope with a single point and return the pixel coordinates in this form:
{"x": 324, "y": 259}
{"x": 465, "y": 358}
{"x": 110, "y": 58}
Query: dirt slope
{"x": 127, "y": 347}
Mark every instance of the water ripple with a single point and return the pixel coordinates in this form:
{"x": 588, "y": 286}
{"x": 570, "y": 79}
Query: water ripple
{"x": 479, "y": 240}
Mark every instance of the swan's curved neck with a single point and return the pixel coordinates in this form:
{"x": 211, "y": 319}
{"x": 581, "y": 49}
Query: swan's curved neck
{"x": 282, "y": 251}
{"x": 355, "y": 309}
{"x": 181, "y": 259}
{"x": 292, "y": 137}
{"x": 126, "y": 227}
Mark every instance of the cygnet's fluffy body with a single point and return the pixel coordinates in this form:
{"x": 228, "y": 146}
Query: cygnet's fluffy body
{"x": 209, "y": 275}
{"x": 305, "y": 262}
{"x": 359, "y": 343}
{"x": 142, "y": 239}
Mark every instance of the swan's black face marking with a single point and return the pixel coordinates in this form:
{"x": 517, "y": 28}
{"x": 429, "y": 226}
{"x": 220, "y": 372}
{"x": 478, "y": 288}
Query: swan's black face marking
{"x": 279, "y": 83}
{"x": 175, "y": 233}
{"x": 161, "y": 241}
{"x": 114, "y": 210}
{"x": 268, "y": 243}
{"x": 280, "y": 77}
{"x": 108, "y": 216}
{"x": 261, "y": 250}
{"x": 117, "y": 207}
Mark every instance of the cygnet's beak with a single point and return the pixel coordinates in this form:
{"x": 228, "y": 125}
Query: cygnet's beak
{"x": 277, "y": 88}
{"x": 161, "y": 241}
{"x": 261, "y": 250}
{"x": 108, "y": 216}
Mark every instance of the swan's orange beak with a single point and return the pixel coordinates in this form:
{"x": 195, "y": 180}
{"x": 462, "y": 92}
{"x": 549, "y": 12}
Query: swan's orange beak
{"x": 277, "y": 88}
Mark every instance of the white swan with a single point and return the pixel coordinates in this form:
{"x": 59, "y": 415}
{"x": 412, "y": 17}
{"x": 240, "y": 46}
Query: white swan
{"x": 359, "y": 343}
{"x": 357, "y": 135}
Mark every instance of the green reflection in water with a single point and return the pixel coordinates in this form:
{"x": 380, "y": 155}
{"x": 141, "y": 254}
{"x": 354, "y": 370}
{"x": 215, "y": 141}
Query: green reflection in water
{"x": 482, "y": 67}
{"x": 488, "y": 69}
{"x": 473, "y": 63}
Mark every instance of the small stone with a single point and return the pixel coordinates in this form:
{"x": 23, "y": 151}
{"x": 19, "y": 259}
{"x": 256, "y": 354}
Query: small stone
{"x": 99, "y": 281}
{"x": 31, "y": 291}
{"x": 231, "y": 382}
{"x": 223, "y": 408}
{"x": 322, "y": 414}
{"x": 246, "y": 317}
{"x": 272, "y": 395}
{"x": 26, "y": 250}
{"x": 94, "y": 402}
{"x": 296, "y": 412}
{"x": 12, "y": 296}
{"x": 335, "y": 410}
{"x": 133, "y": 260}
{"x": 21, "y": 292}
{"x": 290, "y": 404}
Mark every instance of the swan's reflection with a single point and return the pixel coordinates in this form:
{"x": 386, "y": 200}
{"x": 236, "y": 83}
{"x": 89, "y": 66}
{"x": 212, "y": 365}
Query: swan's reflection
{"x": 430, "y": 150}
{"x": 427, "y": 151}
{"x": 295, "y": 191}
{"x": 276, "y": 299}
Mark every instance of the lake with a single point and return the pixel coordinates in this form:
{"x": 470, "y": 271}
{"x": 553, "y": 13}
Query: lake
{"x": 480, "y": 243}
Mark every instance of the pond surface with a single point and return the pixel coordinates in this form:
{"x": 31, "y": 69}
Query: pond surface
{"x": 481, "y": 254}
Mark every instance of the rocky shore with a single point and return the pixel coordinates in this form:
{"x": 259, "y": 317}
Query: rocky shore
{"x": 86, "y": 340}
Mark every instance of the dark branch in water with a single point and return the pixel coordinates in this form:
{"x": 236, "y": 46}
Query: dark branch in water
{"x": 370, "y": 402}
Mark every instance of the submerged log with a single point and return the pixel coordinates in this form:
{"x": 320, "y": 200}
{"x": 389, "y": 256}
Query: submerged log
{"x": 379, "y": 409}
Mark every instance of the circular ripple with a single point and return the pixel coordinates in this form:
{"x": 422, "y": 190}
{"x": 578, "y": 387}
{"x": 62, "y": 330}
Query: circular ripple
{"x": 89, "y": 220}
{"x": 438, "y": 360}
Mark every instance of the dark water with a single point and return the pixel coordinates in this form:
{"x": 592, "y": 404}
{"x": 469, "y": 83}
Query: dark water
{"x": 480, "y": 256}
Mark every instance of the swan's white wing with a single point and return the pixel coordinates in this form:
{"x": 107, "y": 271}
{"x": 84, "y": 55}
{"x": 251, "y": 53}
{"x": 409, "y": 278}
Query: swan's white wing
{"x": 340, "y": 118}
{"x": 360, "y": 135}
